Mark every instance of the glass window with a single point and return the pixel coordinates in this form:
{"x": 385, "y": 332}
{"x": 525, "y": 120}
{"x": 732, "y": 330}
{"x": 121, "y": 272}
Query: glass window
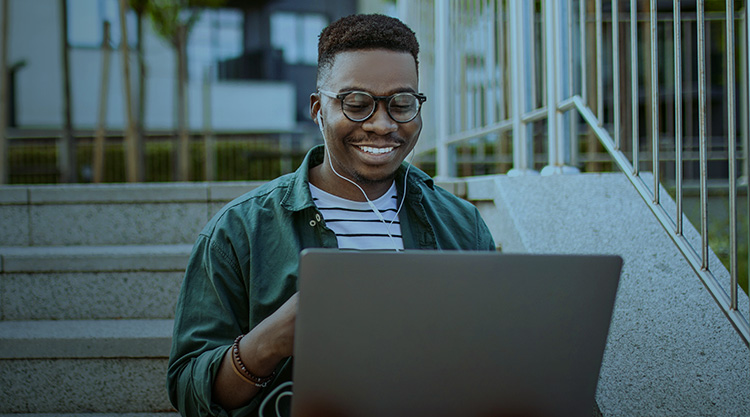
{"x": 296, "y": 35}
{"x": 216, "y": 36}
{"x": 86, "y": 20}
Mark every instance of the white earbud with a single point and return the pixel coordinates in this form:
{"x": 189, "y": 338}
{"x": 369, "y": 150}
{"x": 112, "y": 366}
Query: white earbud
{"x": 320, "y": 123}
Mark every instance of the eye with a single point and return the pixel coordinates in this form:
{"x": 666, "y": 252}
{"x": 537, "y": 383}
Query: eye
{"x": 403, "y": 103}
{"x": 358, "y": 103}
{"x": 357, "y": 99}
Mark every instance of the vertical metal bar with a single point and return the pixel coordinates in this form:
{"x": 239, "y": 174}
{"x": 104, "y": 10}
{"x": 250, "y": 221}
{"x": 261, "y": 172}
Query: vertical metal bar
{"x": 744, "y": 81}
{"x": 582, "y": 28}
{"x": 702, "y": 133}
{"x": 489, "y": 59}
{"x": 520, "y": 158}
{"x": 551, "y": 64}
{"x": 543, "y": 41}
{"x": 678, "y": 111}
{"x": 599, "y": 65}
{"x": 571, "y": 59}
{"x": 501, "y": 41}
{"x": 573, "y": 121}
{"x": 532, "y": 69}
{"x": 442, "y": 26}
{"x": 654, "y": 101}
{"x": 616, "y": 68}
{"x": 560, "y": 53}
{"x": 634, "y": 81}
{"x": 732, "y": 139}
{"x": 457, "y": 83}
{"x": 4, "y": 95}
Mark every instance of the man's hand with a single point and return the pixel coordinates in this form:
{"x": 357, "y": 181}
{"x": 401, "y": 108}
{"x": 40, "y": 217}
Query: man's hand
{"x": 261, "y": 350}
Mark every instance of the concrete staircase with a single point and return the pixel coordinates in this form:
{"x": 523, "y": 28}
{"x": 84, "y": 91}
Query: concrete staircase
{"x": 89, "y": 277}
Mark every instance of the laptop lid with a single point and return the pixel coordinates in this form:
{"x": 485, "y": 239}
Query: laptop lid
{"x": 423, "y": 333}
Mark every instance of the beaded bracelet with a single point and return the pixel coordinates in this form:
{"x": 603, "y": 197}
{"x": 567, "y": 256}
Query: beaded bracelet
{"x": 241, "y": 371}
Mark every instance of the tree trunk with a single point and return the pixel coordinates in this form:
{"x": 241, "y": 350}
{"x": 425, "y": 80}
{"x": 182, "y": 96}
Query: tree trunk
{"x": 131, "y": 164}
{"x": 67, "y": 149}
{"x": 140, "y": 130}
{"x": 209, "y": 139}
{"x": 99, "y": 139}
{"x": 183, "y": 153}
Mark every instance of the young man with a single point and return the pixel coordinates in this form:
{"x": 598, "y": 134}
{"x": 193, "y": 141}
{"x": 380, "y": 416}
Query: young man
{"x": 234, "y": 326}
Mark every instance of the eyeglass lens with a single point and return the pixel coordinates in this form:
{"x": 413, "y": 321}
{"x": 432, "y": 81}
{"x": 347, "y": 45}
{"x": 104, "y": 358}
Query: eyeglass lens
{"x": 402, "y": 107}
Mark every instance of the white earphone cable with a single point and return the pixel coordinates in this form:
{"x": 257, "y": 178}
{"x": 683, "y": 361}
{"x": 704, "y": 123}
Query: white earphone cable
{"x": 369, "y": 202}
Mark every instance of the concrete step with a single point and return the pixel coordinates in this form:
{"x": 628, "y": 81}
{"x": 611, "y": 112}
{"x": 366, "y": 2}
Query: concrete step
{"x": 84, "y": 366}
{"x": 111, "y": 214}
{"x": 91, "y": 282}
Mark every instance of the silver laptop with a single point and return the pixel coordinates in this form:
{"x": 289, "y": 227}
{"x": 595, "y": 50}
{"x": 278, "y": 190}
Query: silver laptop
{"x": 424, "y": 333}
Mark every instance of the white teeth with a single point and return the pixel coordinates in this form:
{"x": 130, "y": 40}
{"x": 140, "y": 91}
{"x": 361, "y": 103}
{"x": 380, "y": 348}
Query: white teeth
{"x": 376, "y": 151}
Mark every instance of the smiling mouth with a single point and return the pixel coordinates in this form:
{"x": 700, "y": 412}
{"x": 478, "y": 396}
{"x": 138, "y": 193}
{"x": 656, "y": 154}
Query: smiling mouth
{"x": 375, "y": 151}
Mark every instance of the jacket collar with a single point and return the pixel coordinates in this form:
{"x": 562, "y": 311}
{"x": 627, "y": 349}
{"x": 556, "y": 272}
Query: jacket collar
{"x": 298, "y": 196}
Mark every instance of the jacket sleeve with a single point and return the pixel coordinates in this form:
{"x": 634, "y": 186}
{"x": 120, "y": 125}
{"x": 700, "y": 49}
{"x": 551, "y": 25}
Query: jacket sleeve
{"x": 211, "y": 311}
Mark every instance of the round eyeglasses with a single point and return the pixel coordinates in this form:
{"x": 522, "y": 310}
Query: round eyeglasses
{"x": 359, "y": 106}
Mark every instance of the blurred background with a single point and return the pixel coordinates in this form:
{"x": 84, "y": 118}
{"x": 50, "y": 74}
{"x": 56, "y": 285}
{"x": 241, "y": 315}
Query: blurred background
{"x": 230, "y": 76}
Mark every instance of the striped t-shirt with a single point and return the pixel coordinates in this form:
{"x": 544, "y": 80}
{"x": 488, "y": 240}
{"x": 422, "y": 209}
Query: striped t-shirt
{"x": 356, "y": 225}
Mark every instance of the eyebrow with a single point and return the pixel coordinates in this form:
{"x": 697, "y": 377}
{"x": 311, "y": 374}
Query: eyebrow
{"x": 391, "y": 92}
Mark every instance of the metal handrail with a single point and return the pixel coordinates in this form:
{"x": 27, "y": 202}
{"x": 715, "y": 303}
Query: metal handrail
{"x": 520, "y": 77}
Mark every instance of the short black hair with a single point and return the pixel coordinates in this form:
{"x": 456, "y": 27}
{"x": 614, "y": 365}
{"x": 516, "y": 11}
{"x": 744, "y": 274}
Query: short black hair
{"x": 364, "y": 31}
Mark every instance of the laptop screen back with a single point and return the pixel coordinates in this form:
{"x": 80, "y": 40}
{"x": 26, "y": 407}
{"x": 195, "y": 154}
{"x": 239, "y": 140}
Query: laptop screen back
{"x": 450, "y": 333}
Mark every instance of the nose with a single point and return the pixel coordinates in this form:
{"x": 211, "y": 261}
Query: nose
{"x": 380, "y": 122}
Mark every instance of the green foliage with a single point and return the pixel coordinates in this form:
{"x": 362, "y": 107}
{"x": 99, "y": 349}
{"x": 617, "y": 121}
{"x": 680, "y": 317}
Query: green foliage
{"x": 236, "y": 160}
{"x": 170, "y": 16}
{"x": 718, "y": 240}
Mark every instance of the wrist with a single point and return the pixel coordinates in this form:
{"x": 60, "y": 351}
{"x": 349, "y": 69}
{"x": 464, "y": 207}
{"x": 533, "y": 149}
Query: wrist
{"x": 255, "y": 375}
{"x": 258, "y": 351}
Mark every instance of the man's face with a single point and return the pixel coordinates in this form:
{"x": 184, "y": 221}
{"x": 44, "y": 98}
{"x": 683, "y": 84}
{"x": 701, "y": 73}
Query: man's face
{"x": 368, "y": 152}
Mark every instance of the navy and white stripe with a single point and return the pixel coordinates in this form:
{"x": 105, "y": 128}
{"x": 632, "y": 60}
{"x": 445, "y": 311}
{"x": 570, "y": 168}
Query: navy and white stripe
{"x": 356, "y": 225}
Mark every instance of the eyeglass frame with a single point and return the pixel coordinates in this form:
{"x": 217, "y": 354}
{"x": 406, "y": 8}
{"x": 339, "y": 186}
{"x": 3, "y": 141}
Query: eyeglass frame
{"x": 421, "y": 98}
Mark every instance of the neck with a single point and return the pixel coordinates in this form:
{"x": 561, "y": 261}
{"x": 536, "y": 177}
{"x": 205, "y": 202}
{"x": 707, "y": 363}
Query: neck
{"x": 323, "y": 177}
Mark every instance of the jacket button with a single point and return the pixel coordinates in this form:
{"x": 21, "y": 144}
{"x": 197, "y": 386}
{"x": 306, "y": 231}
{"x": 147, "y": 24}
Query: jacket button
{"x": 317, "y": 216}
{"x": 313, "y": 223}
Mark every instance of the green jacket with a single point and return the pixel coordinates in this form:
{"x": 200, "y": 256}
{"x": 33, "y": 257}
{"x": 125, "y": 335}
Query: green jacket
{"x": 244, "y": 266}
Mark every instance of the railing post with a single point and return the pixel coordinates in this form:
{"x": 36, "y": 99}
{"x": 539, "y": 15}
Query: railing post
{"x": 654, "y": 100}
{"x": 678, "y": 113}
{"x": 616, "y": 70}
{"x": 702, "y": 134}
{"x": 556, "y": 58}
{"x": 445, "y": 167}
{"x": 522, "y": 147}
{"x": 634, "y": 84}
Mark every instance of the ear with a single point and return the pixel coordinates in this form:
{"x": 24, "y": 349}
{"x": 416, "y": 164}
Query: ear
{"x": 314, "y": 107}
